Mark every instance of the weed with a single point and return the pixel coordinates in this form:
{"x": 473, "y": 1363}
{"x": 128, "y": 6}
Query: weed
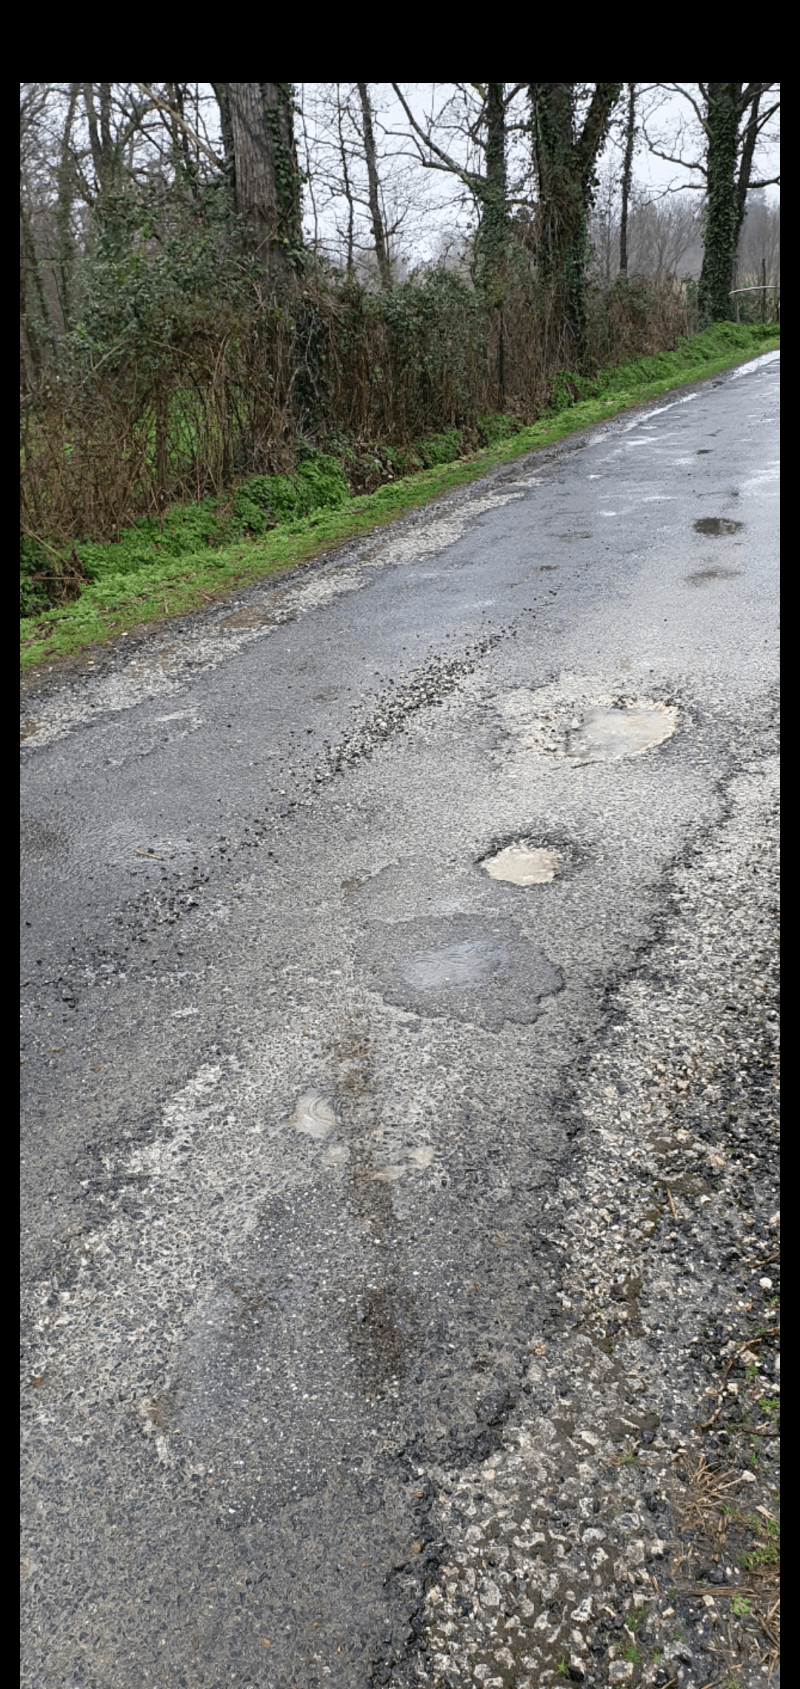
{"x": 760, "y": 1559}
{"x": 632, "y": 1653}
{"x": 740, "y": 1606}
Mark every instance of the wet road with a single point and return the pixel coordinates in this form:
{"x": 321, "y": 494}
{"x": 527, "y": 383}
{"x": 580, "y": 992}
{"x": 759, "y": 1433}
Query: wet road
{"x": 298, "y": 1069}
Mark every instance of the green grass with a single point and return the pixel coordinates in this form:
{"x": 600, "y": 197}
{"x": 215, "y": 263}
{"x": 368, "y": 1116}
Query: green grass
{"x": 203, "y": 552}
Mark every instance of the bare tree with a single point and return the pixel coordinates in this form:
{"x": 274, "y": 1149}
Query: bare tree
{"x": 758, "y": 261}
{"x": 342, "y": 131}
{"x": 627, "y": 166}
{"x": 662, "y": 233}
{"x": 604, "y": 221}
{"x": 477, "y": 119}
{"x": 34, "y": 316}
{"x": 376, "y": 214}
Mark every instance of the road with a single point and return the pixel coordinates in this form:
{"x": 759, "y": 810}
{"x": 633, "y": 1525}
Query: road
{"x": 317, "y": 1149}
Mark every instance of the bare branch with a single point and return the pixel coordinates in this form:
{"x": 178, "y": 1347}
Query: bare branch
{"x": 447, "y": 163}
{"x": 170, "y": 111}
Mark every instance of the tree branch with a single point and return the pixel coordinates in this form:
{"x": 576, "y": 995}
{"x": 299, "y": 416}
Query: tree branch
{"x": 447, "y": 163}
{"x": 163, "y": 105}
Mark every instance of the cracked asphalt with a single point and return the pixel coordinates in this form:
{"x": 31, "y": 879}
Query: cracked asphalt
{"x": 400, "y": 1242}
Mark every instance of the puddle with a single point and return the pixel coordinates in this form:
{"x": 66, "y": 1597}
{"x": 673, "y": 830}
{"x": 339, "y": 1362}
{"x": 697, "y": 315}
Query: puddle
{"x": 522, "y": 865}
{"x": 482, "y": 970}
{"x": 699, "y": 577}
{"x": 716, "y": 525}
{"x": 313, "y": 1116}
{"x": 606, "y": 734}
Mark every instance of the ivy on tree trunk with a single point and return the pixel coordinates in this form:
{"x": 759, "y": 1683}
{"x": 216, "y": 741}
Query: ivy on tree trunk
{"x": 493, "y": 199}
{"x": 566, "y": 162}
{"x": 257, "y": 122}
{"x": 723, "y": 212}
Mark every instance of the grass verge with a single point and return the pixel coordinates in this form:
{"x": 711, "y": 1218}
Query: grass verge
{"x": 178, "y": 568}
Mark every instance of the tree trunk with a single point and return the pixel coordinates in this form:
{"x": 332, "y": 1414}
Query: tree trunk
{"x": 64, "y": 263}
{"x": 565, "y": 163}
{"x": 348, "y": 192}
{"x": 267, "y": 178}
{"x": 378, "y": 231}
{"x": 108, "y": 208}
{"x": 746, "y": 161}
{"x": 226, "y": 131}
{"x": 279, "y": 101}
{"x": 493, "y": 228}
{"x": 627, "y": 165}
{"x": 723, "y": 217}
{"x": 33, "y": 314}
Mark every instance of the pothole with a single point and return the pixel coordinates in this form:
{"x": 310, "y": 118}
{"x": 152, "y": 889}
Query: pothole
{"x": 716, "y": 525}
{"x": 469, "y": 963}
{"x": 574, "y": 719}
{"x": 523, "y": 865}
{"x": 254, "y": 616}
{"x": 606, "y": 734}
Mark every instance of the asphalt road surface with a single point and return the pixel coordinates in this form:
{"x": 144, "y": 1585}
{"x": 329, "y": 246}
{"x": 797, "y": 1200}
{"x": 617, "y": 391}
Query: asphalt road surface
{"x": 305, "y": 1083}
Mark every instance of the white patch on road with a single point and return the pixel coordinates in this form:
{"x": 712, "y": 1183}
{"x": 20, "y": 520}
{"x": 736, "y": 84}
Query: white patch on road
{"x": 523, "y": 865}
{"x": 757, "y": 363}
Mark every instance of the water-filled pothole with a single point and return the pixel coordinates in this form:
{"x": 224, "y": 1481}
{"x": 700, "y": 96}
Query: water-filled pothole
{"x": 716, "y": 525}
{"x": 523, "y": 865}
{"x": 576, "y": 719}
{"x": 606, "y": 734}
